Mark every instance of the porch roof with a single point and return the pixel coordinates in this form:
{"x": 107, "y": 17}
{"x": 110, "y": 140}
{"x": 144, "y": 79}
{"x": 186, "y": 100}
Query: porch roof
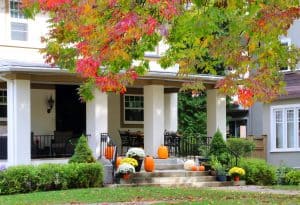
{"x": 8, "y": 67}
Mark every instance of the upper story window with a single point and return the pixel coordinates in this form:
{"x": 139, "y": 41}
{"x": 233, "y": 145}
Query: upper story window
{"x": 133, "y": 109}
{"x": 3, "y": 104}
{"x": 285, "y": 128}
{"x": 18, "y": 24}
{"x": 15, "y": 9}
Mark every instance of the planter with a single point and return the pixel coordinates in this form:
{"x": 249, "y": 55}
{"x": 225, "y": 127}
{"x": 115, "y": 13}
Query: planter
{"x": 221, "y": 178}
{"x": 236, "y": 178}
{"x": 126, "y": 176}
{"x": 140, "y": 162}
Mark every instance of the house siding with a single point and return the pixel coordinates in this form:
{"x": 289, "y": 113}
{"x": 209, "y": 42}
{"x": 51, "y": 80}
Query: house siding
{"x": 288, "y": 158}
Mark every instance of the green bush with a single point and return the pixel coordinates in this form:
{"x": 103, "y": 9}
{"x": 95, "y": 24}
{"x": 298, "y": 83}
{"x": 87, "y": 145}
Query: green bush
{"x": 293, "y": 177}
{"x": 45, "y": 177}
{"x": 240, "y": 147}
{"x": 281, "y": 173}
{"x": 83, "y": 153}
{"x": 219, "y": 149}
{"x": 258, "y": 171}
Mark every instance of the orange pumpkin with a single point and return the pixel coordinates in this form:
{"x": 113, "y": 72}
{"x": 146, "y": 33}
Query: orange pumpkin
{"x": 118, "y": 162}
{"x": 162, "y": 152}
{"x": 201, "y": 168}
{"x": 194, "y": 168}
{"x": 109, "y": 152}
{"x": 149, "y": 164}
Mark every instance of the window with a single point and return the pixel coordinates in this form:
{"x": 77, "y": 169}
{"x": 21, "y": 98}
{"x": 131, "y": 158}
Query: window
{"x": 3, "y": 104}
{"x": 18, "y": 25}
{"x": 285, "y": 128}
{"x": 133, "y": 109}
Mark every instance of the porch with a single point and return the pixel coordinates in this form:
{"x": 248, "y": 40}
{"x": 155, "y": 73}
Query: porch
{"x": 149, "y": 107}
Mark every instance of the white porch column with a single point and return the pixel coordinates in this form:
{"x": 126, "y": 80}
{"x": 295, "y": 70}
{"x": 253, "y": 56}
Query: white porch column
{"x": 216, "y": 113}
{"x": 171, "y": 112}
{"x": 96, "y": 120}
{"x": 19, "y": 122}
{"x": 153, "y": 118}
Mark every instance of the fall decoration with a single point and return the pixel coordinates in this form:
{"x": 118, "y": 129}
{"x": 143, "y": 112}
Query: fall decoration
{"x": 162, "y": 152}
{"x": 194, "y": 168}
{"x": 149, "y": 165}
{"x": 109, "y": 152}
{"x": 188, "y": 165}
{"x": 201, "y": 168}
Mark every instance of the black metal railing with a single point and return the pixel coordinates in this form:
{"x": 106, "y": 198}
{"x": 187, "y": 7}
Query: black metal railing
{"x": 49, "y": 146}
{"x": 3, "y": 147}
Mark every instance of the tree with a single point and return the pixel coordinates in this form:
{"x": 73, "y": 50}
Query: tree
{"x": 105, "y": 41}
{"x": 83, "y": 153}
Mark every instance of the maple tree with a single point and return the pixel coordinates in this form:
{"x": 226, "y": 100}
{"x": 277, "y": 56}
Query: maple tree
{"x": 105, "y": 41}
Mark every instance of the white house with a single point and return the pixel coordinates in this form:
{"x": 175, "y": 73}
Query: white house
{"x": 39, "y": 104}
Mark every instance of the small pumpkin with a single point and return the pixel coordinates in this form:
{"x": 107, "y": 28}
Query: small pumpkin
{"x": 162, "y": 152}
{"x": 194, "y": 168}
{"x": 118, "y": 162}
{"x": 201, "y": 168}
{"x": 149, "y": 164}
{"x": 109, "y": 152}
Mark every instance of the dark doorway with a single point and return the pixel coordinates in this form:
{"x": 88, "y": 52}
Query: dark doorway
{"x": 70, "y": 111}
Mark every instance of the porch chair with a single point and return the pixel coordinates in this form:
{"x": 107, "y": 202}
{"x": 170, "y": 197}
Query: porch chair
{"x": 125, "y": 140}
{"x": 59, "y": 142}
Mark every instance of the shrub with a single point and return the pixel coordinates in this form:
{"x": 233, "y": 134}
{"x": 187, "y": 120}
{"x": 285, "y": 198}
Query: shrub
{"x": 18, "y": 179}
{"x": 27, "y": 178}
{"x": 240, "y": 147}
{"x": 281, "y": 173}
{"x": 258, "y": 171}
{"x": 293, "y": 177}
{"x": 219, "y": 149}
{"x": 83, "y": 153}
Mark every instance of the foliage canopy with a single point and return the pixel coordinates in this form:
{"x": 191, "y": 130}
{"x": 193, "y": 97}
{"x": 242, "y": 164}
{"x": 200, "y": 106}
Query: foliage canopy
{"x": 105, "y": 41}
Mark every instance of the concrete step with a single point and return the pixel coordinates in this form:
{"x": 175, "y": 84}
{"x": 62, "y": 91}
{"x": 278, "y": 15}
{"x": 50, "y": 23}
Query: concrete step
{"x": 193, "y": 184}
{"x": 172, "y": 180}
{"x": 167, "y": 164}
{"x": 170, "y": 173}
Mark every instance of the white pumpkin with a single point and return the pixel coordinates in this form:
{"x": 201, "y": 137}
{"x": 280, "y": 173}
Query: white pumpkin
{"x": 189, "y": 164}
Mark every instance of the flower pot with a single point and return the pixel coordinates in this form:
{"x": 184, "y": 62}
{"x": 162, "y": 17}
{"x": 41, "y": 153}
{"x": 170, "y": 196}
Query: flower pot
{"x": 126, "y": 176}
{"x": 221, "y": 178}
{"x": 236, "y": 178}
{"x": 140, "y": 162}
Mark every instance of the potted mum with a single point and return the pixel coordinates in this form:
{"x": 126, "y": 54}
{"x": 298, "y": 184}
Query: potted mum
{"x": 125, "y": 170}
{"x": 236, "y": 172}
{"x": 138, "y": 154}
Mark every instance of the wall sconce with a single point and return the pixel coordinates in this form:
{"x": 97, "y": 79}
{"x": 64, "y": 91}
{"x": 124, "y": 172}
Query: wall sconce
{"x": 50, "y": 103}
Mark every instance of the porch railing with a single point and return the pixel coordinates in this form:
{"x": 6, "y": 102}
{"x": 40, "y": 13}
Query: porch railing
{"x": 187, "y": 145}
{"x": 47, "y": 146}
{"x": 3, "y": 147}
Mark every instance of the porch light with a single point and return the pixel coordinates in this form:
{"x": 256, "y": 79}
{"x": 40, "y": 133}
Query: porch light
{"x": 50, "y": 104}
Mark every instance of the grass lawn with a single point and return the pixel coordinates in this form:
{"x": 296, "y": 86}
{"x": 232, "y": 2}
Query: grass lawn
{"x": 128, "y": 194}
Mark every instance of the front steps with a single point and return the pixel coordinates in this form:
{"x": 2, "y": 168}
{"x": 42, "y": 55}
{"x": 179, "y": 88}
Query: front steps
{"x": 170, "y": 173}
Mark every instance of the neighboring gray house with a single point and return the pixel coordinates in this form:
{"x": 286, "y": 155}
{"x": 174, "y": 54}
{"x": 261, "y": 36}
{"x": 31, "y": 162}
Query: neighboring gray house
{"x": 280, "y": 120}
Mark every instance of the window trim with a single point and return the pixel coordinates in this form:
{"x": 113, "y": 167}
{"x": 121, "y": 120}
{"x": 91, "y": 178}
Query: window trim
{"x": 284, "y": 108}
{"x": 18, "y": 19}
{"x": 124, "y": 108}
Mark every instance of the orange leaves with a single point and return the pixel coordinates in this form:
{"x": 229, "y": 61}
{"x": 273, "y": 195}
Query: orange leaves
{"x": 245, "y": 97}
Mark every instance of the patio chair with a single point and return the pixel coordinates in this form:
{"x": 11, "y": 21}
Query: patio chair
{"x": 125, "y": 140}
{"x": 59, "y": 142}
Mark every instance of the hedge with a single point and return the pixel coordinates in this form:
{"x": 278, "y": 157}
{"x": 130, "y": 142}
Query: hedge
{"x": 258, "y": 171}
{"x": 45, "y": 177}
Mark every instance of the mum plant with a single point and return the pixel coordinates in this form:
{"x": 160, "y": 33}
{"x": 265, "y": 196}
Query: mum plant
{"x": 125, "y": 169}
{"x": 136, "y": 152}
{"x": 130, "y": 161}
{"x": 236, "y": 171}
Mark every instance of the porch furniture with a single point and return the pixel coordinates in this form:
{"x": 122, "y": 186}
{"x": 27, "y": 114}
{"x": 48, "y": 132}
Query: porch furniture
{"x": 125, "y": 140}
{"x": 59, "y": 142}
{"x": 136, "y": 139}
